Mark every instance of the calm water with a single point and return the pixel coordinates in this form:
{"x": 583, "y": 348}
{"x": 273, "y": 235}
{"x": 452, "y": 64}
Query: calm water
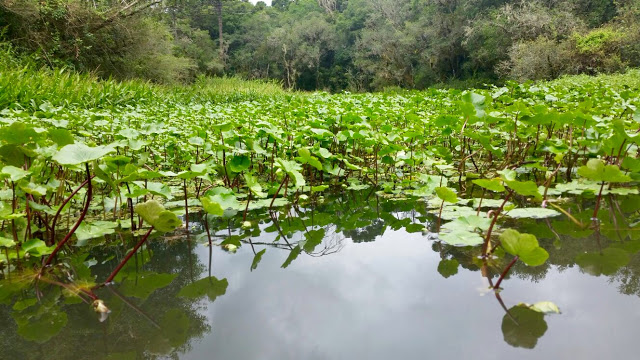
{"x": 373, "y": 290}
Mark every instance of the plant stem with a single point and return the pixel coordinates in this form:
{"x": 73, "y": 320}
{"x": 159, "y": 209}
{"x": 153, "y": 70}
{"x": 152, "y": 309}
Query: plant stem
{"x": 186, "y": 204}
{"x": 493, "y": 223}
{"x": 504, "y": 273}
{"x": 76, "y": 225}
{"x": 595, "y": 211}
{"x": 286, "y": 179}
{"x": 126, "y": 258}
{"x": 64, "y": 203}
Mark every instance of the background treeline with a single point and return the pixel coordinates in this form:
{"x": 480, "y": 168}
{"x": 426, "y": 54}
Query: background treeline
{"x": 328, "y": 44}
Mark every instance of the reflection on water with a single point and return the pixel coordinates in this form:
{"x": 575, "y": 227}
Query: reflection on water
{"x": 355, "y": 277}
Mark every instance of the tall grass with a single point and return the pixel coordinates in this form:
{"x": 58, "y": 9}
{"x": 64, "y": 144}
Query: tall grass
{"x": 24, "y": 85}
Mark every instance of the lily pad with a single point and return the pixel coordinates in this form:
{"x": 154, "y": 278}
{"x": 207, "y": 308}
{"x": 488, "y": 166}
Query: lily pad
{"x": 532, "y": 213}
{"x": 461, "y": 238}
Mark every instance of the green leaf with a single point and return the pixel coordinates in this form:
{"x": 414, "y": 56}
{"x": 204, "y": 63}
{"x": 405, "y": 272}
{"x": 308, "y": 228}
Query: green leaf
{"x": 524, "y": 246}
{"x": 257, "y": 258}
{"x": 293, "y": 254}
{"x": 33, "y": 189}
{"x": 96, "y": 229}
{"x": 607, "y": 262}
{"x": 522, "y": 327}
{"x": 13, "y": 173}
{"x": 79, "y": 153}
{"x": 492, "y": 185}
{"x": 254, "y": 186}
{"x": 209, "y": 286}
{"x": 596, "y": 170}
{"x": 61, "y": 137}
{"x": 468, "y": 223}
{"x": 239, "y": 163}
{"x": 461, "y": 238}
{"x": 525, "y": 188}
{"x": 145, "y": 283}
{"x": 42, "y": 327}
{"x": 446, "y": 194}
{"x": 156, "y": 215}
{"x": 6, "y": 242}
{"x": 448, "y": 268}
{"x": 532, "y": 213}
{"x": 545, "y": 307}
{"x": 313, "y": 239}
{"x": 217, "y": 204}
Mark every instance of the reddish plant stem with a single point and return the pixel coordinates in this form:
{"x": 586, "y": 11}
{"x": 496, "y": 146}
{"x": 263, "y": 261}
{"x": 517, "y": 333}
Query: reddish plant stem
{"x": 126, "y": 258}
{"x": 246, "y": 208}
{"x": 493, "y": 223}
{"x": 186, "y": 204}
{"x": 505, "y": 272}
{"x": 76, "y": 225}
{"x": 595, "y": 211}
{"x": 286, "y": 179}
{"x": 64, "y": 203}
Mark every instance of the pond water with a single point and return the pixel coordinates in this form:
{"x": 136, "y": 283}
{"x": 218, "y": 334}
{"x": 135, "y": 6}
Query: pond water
{"x": 378, "y": 286}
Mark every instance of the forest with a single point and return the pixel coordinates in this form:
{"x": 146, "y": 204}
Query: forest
{"x": 332, "y": 45}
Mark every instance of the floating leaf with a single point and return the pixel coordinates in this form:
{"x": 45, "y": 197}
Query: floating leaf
{"x": 43, "y": 326}
{"x": 461, "y": 238}
{"x": 545, "y": 307}
{"x": 468, "y": 223}
{"x": 532, "y": 213}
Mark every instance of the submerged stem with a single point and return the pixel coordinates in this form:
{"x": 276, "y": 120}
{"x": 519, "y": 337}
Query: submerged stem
{"x": 76, "y": 225}
{"x": 505, "y": 272}
{"x": 126, "y": 258}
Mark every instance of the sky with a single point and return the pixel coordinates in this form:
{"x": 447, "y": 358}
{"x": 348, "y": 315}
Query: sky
{"x": 255, "y": 1}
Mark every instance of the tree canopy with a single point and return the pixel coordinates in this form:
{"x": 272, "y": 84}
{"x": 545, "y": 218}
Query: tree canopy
{"x": 329, "y": 44}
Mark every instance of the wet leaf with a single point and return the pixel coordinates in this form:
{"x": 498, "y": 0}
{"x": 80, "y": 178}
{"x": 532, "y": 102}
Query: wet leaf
{"x": 461, "y": 238}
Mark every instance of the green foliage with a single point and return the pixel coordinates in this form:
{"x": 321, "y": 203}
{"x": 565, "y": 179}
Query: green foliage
{"x": 525, "y": 246}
